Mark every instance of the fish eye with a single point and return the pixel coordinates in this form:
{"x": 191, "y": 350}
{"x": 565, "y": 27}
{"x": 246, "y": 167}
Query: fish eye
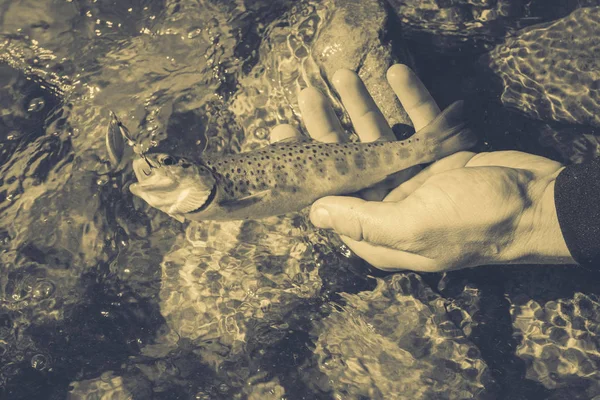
{"x": 168, "y": 160}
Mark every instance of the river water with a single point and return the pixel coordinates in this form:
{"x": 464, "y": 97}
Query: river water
{"x": 102, "y": 297}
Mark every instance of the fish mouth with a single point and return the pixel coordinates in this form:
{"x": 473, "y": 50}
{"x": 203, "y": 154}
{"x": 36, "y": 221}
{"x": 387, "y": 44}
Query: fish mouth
{"x": 142, "y": 168}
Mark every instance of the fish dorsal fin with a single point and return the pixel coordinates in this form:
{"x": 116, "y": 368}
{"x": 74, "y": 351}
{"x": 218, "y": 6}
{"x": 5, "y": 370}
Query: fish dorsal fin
{"x": 189, "y": 199}
{"x": 236, "y": 204}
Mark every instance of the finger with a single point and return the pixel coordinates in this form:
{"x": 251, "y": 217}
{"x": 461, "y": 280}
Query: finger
{"x": 284, "y": 132}
{"x": 387, "y": 259}
{"x": 319, "y": 118}
{"x": 515, "y": 159}
{"x": 457, "y": 160}
{"x": 369, "y": 123}
{"x": 414, "y": 96}
{"x": 374, "y": 222}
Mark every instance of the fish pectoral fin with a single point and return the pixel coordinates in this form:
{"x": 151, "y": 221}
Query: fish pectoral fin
{"x": 236, "y": 204}
{"x": 189, "y": 199}
{"x": 178, "y": 217}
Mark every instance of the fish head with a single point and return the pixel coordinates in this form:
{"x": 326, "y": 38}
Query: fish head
{"x": 173, "y": 184}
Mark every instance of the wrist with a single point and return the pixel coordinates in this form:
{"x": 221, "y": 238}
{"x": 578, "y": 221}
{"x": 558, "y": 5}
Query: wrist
{"x": 543, "y": 241}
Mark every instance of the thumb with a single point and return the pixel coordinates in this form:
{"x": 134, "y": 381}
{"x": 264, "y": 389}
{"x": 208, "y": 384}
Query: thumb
{"x": 371, "y": 221}
{"x": 454, "y": 161}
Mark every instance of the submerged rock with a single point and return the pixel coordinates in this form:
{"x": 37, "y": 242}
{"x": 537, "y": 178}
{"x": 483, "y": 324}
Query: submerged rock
{"x": 395, "y": 342}
{"x": 358, "y": 36}
{"x": 552, "y": 71}
{"x": 304, "y": 47}
{"x": 555, "y": 315}
{"x": 447, "y": 26}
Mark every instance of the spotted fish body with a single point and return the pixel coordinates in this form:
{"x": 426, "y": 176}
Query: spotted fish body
{"x": 287, "y": 177}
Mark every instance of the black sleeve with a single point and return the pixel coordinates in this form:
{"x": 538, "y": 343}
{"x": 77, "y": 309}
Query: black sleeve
{"x": 577, "y": 199}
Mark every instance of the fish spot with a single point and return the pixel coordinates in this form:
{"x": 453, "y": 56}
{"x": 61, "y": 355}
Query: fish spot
{"x": 301, "y": 151}
{"x": 342, "y": 166}
{"x": 239, "y": 170}
{"x": 404, "y": 153}
{"x": 227, "y": 175}
{"x": 374, "y": 160}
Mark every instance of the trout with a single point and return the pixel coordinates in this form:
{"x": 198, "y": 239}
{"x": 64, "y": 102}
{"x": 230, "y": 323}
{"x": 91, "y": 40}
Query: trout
{"x": 287, "y": 177}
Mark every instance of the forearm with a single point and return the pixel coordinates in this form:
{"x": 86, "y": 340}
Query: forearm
{"x": 538, "y": 238}
{"x": 577, "y": 197}
{"x": 547, "y": 244}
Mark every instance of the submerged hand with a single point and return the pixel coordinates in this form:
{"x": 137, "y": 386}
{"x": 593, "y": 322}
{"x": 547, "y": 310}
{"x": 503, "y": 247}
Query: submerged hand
{"x": 465, "y": 210}
{"x": 369, "y": 123}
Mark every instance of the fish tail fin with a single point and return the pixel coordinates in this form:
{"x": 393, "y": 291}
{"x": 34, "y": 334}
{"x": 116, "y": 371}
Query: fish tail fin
{"x": 448, "y": 132}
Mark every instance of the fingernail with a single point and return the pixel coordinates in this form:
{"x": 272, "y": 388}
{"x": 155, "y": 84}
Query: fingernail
{"x": 320, "y": 218}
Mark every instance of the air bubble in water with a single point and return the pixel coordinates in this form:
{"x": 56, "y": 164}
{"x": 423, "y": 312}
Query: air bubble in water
{"x": 223, "y": 388}
{"x": 102, "y": 180}
{"x": 36, "y": 104}
{"x": 13, "y": 135}
{"x": 39, "y": 362}
{"x": 43, "y": 290}
{"x": 261, "y": 133}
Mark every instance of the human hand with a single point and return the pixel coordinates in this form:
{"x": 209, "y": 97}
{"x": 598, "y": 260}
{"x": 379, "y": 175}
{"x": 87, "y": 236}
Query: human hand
{"x": 369, "y": 123}
{"x": 465, "y": 210}
{"x": 462, "y": 211}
